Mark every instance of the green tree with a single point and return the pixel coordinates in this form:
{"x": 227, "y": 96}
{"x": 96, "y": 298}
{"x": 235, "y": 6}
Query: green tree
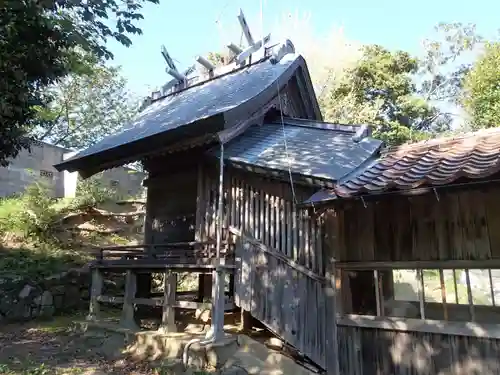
{"x": 85, "y": 107}
{"x": 445, "y": 61}
{"x": 379, "y": 90}
{"x": 482, "y": 89}
{"x": 40, "y": 43}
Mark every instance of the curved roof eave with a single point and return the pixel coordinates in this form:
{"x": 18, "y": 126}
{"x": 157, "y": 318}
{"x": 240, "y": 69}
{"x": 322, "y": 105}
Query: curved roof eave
{"x": 117, "y": 149}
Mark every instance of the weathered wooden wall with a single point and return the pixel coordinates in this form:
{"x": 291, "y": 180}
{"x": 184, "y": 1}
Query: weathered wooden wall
{"x": 366, "y": 351}
{"x": 450, "y": 226}
{"x": 264, "y": 209}
{"x": 283, "y": 279}
{"x": 171, "y": 198}
{"x": 460, "y": 225}
{"x": 289, "y": 299}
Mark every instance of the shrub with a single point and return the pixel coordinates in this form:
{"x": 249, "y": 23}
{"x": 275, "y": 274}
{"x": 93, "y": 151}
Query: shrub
{"x": 30, "y": 214}
{"x": 92, "y": 191}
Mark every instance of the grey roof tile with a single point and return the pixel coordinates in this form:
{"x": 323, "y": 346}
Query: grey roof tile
{"x": 195, "y": 103}
{"x": 308, "y": 148}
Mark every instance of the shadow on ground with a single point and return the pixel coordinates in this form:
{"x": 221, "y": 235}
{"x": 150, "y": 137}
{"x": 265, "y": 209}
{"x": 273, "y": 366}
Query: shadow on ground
{"x": 51, "y": 348}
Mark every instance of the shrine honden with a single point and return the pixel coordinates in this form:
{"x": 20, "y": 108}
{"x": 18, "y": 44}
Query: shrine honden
{"x": 363, "y": 259}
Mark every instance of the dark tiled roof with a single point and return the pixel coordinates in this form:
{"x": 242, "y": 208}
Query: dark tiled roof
{"x": 221, "y": 95}
{"x": 430, "y": 163}
{"x": 313, "y": 149}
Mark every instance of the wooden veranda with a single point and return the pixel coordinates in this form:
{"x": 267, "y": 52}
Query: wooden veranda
{"x": 139, "y": 262}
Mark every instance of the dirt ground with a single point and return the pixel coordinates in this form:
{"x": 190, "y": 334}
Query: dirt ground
{"x": 50, "y": 348}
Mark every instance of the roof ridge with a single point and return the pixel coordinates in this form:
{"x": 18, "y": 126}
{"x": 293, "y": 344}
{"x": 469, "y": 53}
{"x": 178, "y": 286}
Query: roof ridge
{"x": 440, "y": 141}
{"x": 315, "y": 124}
{"x": 207, "y": 78}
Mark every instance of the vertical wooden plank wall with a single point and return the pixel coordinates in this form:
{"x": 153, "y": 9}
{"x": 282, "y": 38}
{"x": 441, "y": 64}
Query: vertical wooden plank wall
{"x": 298, "y": 306}
{"x": 460, "y": 225}
{"x": 368, "y": 351}
{"x": 282, "y": 296}
{"x": 264, "y": 210}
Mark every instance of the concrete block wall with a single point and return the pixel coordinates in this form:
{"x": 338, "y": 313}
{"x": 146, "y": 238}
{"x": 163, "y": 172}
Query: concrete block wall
{"x": 38, "y": 164}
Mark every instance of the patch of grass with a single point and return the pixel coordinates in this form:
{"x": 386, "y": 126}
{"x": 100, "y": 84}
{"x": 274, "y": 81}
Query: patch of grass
{"x": 32, "y": 242}
{"x": 40, "y": 260}
{"x": 62, "y": 323}
{"x": 30, "y": 368}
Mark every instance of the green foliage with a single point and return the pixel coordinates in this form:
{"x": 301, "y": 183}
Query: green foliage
{"x": 32, "y": 214}
{"x": 28, "y": 215}
{"x": 32, "y": 368}
{"x": 482, "y": 89}
{"x": 85, "y": 107}
{"x": 32, "y": 220}
{"x": 92, "y": 191}
{"x": 39, "y": 261}
{"x": 379, "y": 90}
{"x": 443, "y": 66}
{"x": 29, "y": 369}
{"x": 41, "y": 42}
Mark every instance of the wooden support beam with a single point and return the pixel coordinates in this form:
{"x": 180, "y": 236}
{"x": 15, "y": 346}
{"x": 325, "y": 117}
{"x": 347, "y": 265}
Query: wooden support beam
{"x": 470, "y": 297}
{"x": 421, "y": 293}
{"x": 246, "y": 320}
{"x": 420, "y": 264}
{"x": 143, "y": 290}
{"x": 169, "y": 296}
{"x": 127, "y": 318}
{"x": 331, "y": 314}
{"x": 159, "y": 301}
{"x": 440, "y": 327}
{"x": 378, "y": 297}
{"x": 443, "y": 294}
{"x": 330, "y": 311}
{"x": 204, "y": 286}
{"x": 95, "y": 292}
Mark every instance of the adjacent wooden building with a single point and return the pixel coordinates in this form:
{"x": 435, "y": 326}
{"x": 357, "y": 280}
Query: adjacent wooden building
{"x": 429, "y": 211}
{"x": 362, "y": 259}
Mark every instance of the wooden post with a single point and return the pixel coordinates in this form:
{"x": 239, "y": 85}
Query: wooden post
{"x": 231, "y": 287}
{"x": 204, "y": 286}
{"x": 127, "y": 318}
{"x": 492, "y": 289}
{"x": 331, "y": 343}
{"x": 457, "y": 300}
{"x": 200, "y": 205}
{"x": 443, "y": 294}
{"x": 246, "y": 320}
{"x": 332, "y": 361}
{"x": 218, "y": 302}
{"x": 378, "y": 297}
{"x": 470, "y": 297}
{"x": 95, "y": 292}
{"x": 169, "y": 298}
{"x": 143, "y": 290}
{"x": 421, "y": 293}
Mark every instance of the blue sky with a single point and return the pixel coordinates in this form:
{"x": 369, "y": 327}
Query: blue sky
{"x": 189, "y": 28}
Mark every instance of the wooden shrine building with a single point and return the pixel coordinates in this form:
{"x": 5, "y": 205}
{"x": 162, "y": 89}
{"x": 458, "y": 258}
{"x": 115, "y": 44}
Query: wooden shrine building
{"x": 415, "y": 235}
{"x": 364, "y": 260}
{"x": 230, "y": 156}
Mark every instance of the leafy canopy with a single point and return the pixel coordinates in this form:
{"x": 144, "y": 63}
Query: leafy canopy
{"x": 41, "y": 42}
{"x": 85, "y": 107}
{"x": 379, "y": 90}
{"x": 482, "y": 89}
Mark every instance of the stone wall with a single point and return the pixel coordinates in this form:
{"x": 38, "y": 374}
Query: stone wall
{"x": 38, "y": 164}
{"x": 23, "y": 299}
